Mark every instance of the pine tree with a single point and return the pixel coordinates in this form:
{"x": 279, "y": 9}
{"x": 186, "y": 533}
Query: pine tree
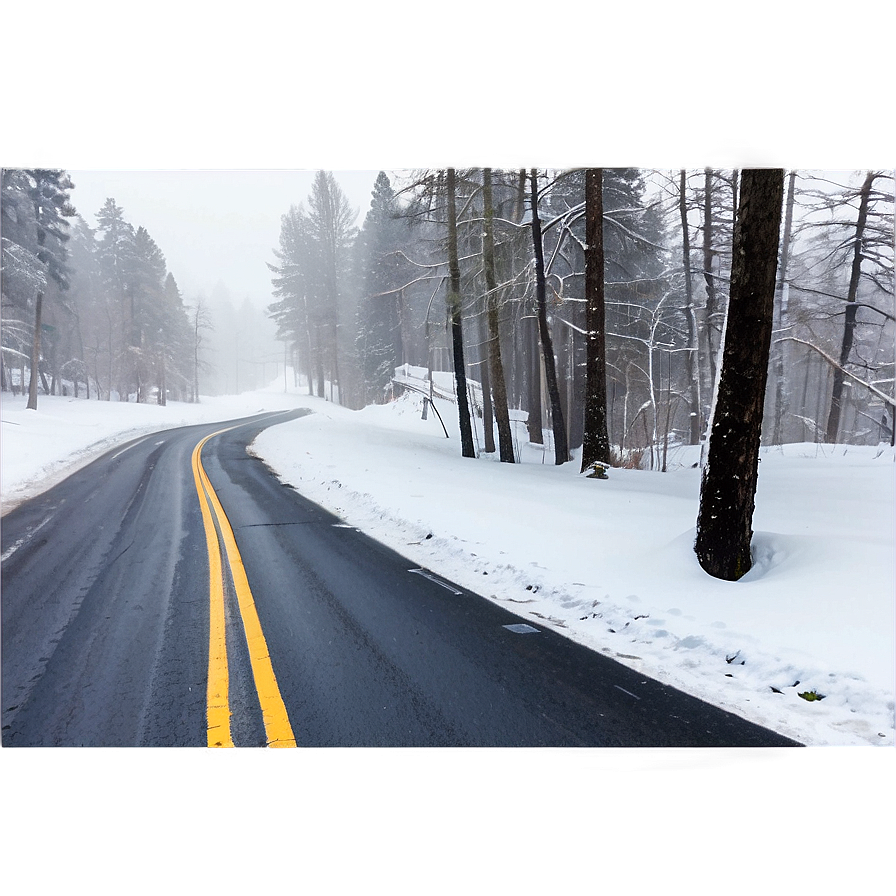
{"x": 383, "y": 272}
{"x": 48, "y": 191}
{"x": 332, "y": 226}
{"x": 115, "y": 253}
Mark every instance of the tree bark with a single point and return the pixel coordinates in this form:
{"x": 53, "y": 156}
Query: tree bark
{"x": 532, "y": 368}
{"x": 454, "y": 315}
{"x": 849, "y": 324}
{"x": 728, "y": 486}
{"x": 35, "y": 353}
{"x": 595, "y": 440}
{"x": 561, "y": 449}
{"x": 781, "y": 312}
{"x": 708, "y": 277}
{"x": 692, "y": 362}
{"x": 488, "y": 412}
{"x": 496, "y": 366}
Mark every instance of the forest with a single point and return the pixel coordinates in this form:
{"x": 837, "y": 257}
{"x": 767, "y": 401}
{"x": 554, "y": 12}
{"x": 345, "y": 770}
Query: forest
{"x": 494, "y": 275}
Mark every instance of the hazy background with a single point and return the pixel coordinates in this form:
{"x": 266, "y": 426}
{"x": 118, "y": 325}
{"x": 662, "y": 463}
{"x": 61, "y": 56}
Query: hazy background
{"x": 213, "y": 226}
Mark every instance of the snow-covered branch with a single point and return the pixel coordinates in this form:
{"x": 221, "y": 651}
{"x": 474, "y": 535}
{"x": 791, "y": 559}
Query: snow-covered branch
{"x": 881, "y": 395}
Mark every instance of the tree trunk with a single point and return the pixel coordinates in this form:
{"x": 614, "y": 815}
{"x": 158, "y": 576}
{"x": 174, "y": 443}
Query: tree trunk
{"x": 454, "y": 315}
{"x": 532, "y": 367}
{"x": 781, "y": 309}
{"x": 496, "y": 367}
{"x": 708, "y": 277}
{"x": 595, "y": 441}
{"x": 728, "y": 486}
{"x": 163, "y": 386}
{"x": 692, "y": 357}
{"x": 35, "y": 353}
{"x": 561, "y": 450}
{"x": 488, "y": 413}
{"x": 849, "y": 324}
{"x": 319, "y": 363}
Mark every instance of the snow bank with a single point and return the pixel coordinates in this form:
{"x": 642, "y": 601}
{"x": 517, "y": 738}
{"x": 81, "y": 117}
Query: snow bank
{"x": 610, "y": 563}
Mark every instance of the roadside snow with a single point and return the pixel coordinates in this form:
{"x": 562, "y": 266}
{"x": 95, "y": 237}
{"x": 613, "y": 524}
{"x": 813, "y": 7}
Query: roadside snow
{"x": 607, "y": 563}
{"x": 43, "y": 447}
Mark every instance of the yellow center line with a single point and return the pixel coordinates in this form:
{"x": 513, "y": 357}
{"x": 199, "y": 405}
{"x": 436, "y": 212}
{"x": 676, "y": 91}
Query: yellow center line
{"x": 276, "y": 721}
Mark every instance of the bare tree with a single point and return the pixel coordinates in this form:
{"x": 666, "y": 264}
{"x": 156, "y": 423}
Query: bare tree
{"x": 596, "y": 441}
{"x": 455, "y": 320}
{"x": 495, "y": 365}
{"x": 728, "y": 486}
{"x": 561, "y": 449}
{"x": 849, "y": 323}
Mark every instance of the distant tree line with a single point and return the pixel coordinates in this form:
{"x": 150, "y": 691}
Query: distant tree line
{"x": 83, "y": 309}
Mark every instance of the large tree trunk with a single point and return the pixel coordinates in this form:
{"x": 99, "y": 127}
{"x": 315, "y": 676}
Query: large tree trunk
{"x": 496, "y": 367}
{"x": 561, "y": 449}
{"x": 728, "y": 486}
{"x": 849, "y": 324}
{"x": 35, "y": 353}
{"x": 595, "y": 441}
{"x": 454, "y": 315}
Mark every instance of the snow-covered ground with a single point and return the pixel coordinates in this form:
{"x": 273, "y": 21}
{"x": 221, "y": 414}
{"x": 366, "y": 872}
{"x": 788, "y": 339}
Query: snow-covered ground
{"x": 607, "y": 563}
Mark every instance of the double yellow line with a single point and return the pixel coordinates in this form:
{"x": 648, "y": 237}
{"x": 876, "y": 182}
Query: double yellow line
{"x": 276, "y": 722}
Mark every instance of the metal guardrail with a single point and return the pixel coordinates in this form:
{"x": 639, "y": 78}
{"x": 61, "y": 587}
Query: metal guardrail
{"x": 426, "y": 397}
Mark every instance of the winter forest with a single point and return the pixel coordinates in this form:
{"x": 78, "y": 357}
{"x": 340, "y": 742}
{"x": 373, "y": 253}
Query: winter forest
{"x": 591, "y": 303}
{"x": 487, "y": 268}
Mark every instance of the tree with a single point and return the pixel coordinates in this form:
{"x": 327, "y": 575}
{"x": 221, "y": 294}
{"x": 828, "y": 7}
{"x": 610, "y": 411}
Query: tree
{"x": 849, "y": 323}
{"x": 115, "y": 253}
{"x": 48, "y": 191}
{"x": 148, "y": 325}
{"x": 561, "y": 449}
{"x": 455, "y": 320}
{"x": 383, "y": 272}
{"x": 596, "y": 441}
{"x": 296, "y": 312}
{"x": 728, "y": 485}
{"x": 781, "y": 313}
{"x": 22, "y": 276}
{"x": 496, "y": 367}
{"x": 331, "y": 218}
{"x": 693, "y": 355}
{"x": 200, "y": 321}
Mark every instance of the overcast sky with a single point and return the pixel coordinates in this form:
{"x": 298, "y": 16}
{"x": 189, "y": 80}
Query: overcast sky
{"x": 212, "y": 225}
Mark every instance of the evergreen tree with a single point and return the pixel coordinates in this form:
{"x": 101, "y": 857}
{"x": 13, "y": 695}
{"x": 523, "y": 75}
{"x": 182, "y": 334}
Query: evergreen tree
{"x": 331, "y": 219}
{"x": 382, "y": 240}
{"x": 115, "y": 253}
{"x": 47, "y": 189}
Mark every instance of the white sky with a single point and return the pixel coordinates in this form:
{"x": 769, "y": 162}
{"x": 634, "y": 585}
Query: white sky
{"x": 212, "y": 225}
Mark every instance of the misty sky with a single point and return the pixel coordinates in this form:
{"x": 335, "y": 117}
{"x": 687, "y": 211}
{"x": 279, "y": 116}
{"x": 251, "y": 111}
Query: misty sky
{"x": 212, "y": 225}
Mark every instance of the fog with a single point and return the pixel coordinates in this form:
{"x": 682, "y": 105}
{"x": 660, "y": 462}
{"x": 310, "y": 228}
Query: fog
{"x": 215, "y": 227}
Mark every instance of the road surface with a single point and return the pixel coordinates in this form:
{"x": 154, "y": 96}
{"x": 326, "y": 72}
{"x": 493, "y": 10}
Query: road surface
{"x": 175, "y": 593}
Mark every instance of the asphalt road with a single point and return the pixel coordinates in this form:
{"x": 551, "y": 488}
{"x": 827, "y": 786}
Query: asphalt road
{"x": 109, "y": 632}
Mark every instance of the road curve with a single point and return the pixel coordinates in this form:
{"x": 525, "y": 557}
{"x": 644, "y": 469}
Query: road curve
{"x": 108, "y": 631}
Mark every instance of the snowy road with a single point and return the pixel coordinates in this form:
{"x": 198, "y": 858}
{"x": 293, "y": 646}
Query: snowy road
{"x": 107, "y": 638}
